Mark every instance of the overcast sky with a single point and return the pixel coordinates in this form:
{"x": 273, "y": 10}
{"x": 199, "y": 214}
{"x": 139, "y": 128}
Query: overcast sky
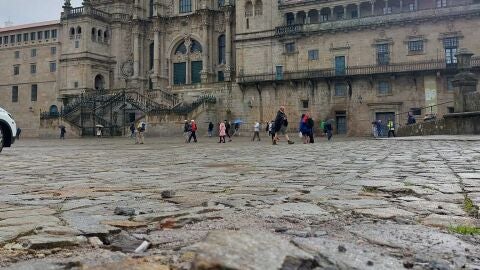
{"x": 30, "y": 11}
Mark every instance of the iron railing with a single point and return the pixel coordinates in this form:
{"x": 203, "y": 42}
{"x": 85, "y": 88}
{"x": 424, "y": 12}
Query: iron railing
{"x": 401, "y": 67}
{"x": 184, "y": 108}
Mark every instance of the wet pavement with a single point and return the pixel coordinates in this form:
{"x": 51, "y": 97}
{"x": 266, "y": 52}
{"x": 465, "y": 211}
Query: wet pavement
{"x": 346, "y": 204}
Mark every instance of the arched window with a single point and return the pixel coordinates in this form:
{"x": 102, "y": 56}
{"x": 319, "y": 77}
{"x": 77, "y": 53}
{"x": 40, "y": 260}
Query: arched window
{"x": 258, "y": 8}
{"x": 150, "y": 8}
{"x": 185, "y": 6}
{"x": 53, "y": 110}
{"x": 313, "y": 16}
{"x": 301, "y": 17}
{"x": 94, "y": 34}
{"x": 100, "y": 35}
{"x": 151, "y": 54}
{"x": 221, "y": 49}
{"x": 99, "y": 82}
{"x": 187, "y": 70}
{"x": 79, "y": 30}
{"x": 105, "y": 36}
{"x": 72, "y": 31}
{"x": 195, "y": 47}
{"x": 290, "y": 18}
{"x": 181, "y": 49}
{"x": 249, "y": 9}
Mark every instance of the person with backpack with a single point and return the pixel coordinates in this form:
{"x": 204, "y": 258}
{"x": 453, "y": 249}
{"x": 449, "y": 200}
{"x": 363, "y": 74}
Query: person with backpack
{"x": 391, "y": 127}
{"x": 140, "y": 133}
{"x": 193, "y": 131}
{"x": 281, "y": 125}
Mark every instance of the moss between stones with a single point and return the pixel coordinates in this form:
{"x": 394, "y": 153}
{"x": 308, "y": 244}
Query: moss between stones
{"x": 465, "y": 230}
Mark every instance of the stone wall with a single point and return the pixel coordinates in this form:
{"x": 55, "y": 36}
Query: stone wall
{"x": 472, "y": 102}
{"x": 50, "y": 129}
{"x": 451, "y": 124}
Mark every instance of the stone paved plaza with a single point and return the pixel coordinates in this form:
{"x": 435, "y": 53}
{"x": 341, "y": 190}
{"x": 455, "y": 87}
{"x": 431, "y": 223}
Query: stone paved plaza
{"x": 347, "y": 204}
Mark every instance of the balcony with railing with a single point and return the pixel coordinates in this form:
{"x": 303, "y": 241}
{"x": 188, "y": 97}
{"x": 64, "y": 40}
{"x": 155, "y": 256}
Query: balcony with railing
{"x": 329, "y": 16}
{"x": 364, "y": 70}
{"x": 82, "y": 11}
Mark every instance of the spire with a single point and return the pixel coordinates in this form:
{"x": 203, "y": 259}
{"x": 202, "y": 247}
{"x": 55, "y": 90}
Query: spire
{"x": 67, "y": 4}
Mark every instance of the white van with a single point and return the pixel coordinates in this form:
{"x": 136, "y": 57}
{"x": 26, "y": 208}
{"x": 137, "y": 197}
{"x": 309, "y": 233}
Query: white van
{"x": 8, "y": 129}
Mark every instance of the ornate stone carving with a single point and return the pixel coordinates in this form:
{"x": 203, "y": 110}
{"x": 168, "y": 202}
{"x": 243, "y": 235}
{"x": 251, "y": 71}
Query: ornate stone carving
{"x": 127, "y": 69}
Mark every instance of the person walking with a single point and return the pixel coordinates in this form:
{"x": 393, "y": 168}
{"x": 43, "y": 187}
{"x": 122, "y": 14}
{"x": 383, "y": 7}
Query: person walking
{"x": 227, "y": 130}
{"x": 210, "y": 129}
{"x": 374, "y": 129}
{"x": 221, "y": 132}
{"x": 267, "y": 128}
{"x": 379, "y": 128}
{"x": 256, "y": 131}
{"x": 271, "y": 130}
{"x": 310, "y": 124}
{"x": 391, "y": 127}
{"x": 303, "y": 128}
{"x": 140, "y": 133}
{"x": 329, "y": 129}
{"x": 193, "y": 131}
{"x": 186, "y": 131}
{"x": 132, "y": 130}
{"x": 411, "y": 119}
{"x": 63, "y": 130}
{"x": 281, "y": 125}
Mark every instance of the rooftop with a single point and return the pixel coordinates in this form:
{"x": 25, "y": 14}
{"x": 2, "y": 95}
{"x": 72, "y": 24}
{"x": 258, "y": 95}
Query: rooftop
{"x": 28, "y": 26}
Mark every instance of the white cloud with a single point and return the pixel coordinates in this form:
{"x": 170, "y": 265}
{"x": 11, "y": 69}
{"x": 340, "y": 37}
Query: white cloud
{"x": 30, "y": 11}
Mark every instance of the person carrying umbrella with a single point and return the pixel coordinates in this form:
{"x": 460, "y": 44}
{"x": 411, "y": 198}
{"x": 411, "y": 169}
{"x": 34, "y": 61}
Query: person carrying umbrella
{"x": 63, "y": 130}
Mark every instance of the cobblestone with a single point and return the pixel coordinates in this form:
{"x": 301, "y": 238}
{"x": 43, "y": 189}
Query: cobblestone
{"x": 388, "y": 202}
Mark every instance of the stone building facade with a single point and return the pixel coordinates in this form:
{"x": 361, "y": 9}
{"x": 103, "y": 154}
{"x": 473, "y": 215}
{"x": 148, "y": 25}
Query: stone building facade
{"x": 348, "y": 60}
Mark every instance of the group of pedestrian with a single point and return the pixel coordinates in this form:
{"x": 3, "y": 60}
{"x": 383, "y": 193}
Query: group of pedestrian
{"x": 378, "y": 128}
{"x": 190, "y": 131}
{"x": 306, "y": 128}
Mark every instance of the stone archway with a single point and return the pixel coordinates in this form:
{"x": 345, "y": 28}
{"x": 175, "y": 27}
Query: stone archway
{"x": 99, "y": 82}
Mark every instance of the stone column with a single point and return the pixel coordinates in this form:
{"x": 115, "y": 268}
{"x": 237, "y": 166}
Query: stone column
{"x": 416, "y": 4}
{"x": 228, "y": 42}
{"x": 358, "y": 10}
{"x": 401, "y": 5}
{"x": 156, "y": 55}
{"x": 386, "y": 7}
{"x": 465, "y": 81}
{"x": 136, "y": 51}
{"x": 205, "y": 49}
{"x": 331, "y": 14}
{"x": 373, "y": 7}
{"x": 344, "y": 12}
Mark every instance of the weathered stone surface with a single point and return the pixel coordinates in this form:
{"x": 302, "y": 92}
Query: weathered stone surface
{"x": 388, "y": 212}
{"x": 125, "y": 223}
{"x": 297, "y": 210}
{"x": 244, "y": 250}
{"x": 449, "y": 221}
{"x": 352, "y": 255}
{"x": 44, "y": 241}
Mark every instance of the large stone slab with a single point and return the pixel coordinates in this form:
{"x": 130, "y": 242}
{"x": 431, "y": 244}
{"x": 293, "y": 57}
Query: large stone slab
{"x": 247, "y": 250}
{"x": 296, "y": 210}
{"x": 387, "y": 213}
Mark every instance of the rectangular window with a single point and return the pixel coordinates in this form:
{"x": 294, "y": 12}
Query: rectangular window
{"x": 290, "y": 47}
{"x": 12, "y": 39}
{"x": 450, "y": 87}
{"x": 53, "y": 66}
{"x": 185, "y": 6}
{"x": 384, "y": 88}
{"x": 54, "y": 33}
{"x": 416, "y": 111}
{"x": 33, "y": 93}
{"x": 33, "y": 68}
{"x": 17, "y": 54}
{"x": 411, "y": 7}
{"x": 25, "y": 37}
{"x": 16, "y": 69}
{"x": 53, "y": 50}
{"x": 5, "y": 39}
{"x": 313, "y": 55}
{"x": 383, "y": 54}
{"x": 340, "y": 89}
{"x": 39, "y": 35}
{"x": 33, "y": 53}
{"x": 441, "y": 3}
{"x": 77, "y": 44}
{"x": 75, "y": 84}
{"x": 1, "y": 40}
{"x": 450, "y": 44}
{"x": 221, "y": 76}
{"x": 415, "y": 46}
{"x": 14, "y": 93}
{"x": 19, "y": 38}
{"x": 47, "y": 34}
{"x": 33, "y": 36}
{"x": 305, "y": 104}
